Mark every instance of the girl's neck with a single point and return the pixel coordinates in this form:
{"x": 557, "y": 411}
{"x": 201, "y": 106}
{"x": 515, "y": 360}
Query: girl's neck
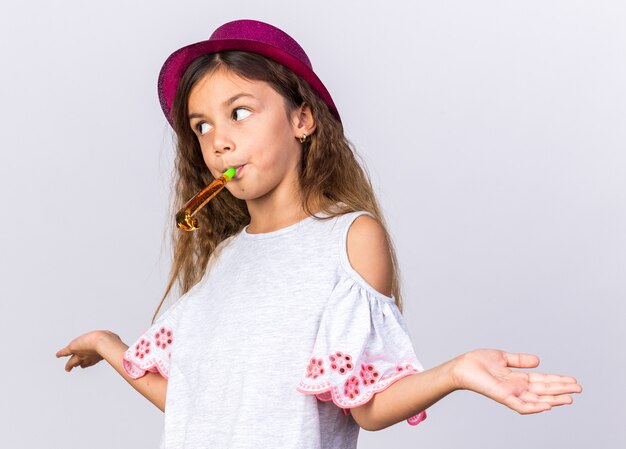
{"x": 269, "y": 218}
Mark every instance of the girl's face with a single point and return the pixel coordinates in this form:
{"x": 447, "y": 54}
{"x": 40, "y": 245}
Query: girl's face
{"x": 241, "y": 122}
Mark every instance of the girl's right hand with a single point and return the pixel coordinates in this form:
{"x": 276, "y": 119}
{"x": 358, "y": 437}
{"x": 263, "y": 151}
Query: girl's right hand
{"x": 84, "y": 349}
{"x": 488, "y": 372}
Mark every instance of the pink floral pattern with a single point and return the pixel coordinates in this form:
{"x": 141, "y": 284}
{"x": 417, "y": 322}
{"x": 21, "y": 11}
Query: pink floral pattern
{"x": 342, "y": 363}
{"x": 369, "y": 374}
{"x": 163, "y": 337}
{"x": 150, "y": 353}
{"x": 142, "y": 348}
{"x": 315, "y": 368}
{"x": 351, "y": 387}
{"x": 355, "y": 390}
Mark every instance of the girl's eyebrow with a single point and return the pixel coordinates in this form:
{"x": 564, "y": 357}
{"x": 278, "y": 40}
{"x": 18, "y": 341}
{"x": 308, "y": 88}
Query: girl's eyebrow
{"x": 226, "y": 103}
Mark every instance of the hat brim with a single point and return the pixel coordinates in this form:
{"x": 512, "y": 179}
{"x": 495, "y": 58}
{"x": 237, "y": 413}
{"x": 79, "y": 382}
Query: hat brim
{"x": 176, "y": 64}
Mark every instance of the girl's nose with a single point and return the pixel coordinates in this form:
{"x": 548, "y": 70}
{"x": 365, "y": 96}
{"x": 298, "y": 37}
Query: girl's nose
{"x": 222, "y": 139}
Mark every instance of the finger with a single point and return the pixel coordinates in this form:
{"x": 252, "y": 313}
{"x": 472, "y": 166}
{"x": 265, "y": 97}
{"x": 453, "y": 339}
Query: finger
{"x": 87, "y": 363}
{"x": 520, "y": 360}
{"x": 553, "y": 400}
{"x": 556, "y": 400}
{"x": 71, "y": 363}
{"x": 524, "y": 407}
{"x": 554, "y": 388}
{"x": 542, "y": 377}
{"x": 63, "y": 352}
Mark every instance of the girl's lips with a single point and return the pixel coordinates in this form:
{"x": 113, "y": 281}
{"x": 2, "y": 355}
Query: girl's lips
{"x": 239, "y": 171}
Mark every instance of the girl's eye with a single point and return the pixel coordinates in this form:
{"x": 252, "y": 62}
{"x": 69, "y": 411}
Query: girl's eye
{"x": 203, "y": 128}
{"x": 240, "y": 113}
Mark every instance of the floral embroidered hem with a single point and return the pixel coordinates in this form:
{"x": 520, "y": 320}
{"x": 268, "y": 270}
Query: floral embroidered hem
{"x": 355, "y": 390}
{"x": 151, "y": 352}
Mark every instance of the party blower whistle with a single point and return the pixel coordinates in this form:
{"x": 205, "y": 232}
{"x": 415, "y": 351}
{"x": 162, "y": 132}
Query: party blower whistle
{"x": 185, "y": 219}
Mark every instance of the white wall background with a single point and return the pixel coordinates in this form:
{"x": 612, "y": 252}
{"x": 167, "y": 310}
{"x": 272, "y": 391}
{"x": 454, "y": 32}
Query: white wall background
{"x": 493, "y": 130}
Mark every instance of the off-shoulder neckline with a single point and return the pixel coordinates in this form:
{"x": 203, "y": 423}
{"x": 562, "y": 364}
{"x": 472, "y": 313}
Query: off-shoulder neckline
{"x": 349, "y": 270}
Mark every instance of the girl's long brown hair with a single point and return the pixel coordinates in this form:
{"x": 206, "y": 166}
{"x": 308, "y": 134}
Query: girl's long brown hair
{"x": 329, "y": 172}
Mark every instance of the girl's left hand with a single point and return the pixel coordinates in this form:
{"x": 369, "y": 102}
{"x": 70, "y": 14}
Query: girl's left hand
{"x": 487, "y": 371}
{"x": 83, "y": 350}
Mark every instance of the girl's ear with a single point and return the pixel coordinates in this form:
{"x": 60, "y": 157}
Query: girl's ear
{"x": 303, "y": 121}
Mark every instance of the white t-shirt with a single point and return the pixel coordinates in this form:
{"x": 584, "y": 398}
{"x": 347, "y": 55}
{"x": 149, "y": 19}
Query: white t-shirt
{"x": 275, "y": 344}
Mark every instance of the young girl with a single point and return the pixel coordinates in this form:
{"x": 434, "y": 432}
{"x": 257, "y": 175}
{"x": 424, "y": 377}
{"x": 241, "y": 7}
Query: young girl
{"x": 289, "y": 331}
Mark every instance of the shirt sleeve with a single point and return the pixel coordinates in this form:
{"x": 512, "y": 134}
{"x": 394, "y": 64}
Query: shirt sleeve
{"x": 152, "y": 351}
{"x": 362, "y": 347}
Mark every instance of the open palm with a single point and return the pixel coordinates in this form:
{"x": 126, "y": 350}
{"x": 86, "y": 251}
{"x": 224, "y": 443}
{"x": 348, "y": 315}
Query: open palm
{"x": 488, "y": 372}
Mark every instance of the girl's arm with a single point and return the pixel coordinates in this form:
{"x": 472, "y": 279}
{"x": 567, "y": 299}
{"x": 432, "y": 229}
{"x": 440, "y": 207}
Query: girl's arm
{"x": 152, "y": 386}
{"x": 405, "y": 398}
{"x": 484, "y": 371}
{"x": 90, "y": 348}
